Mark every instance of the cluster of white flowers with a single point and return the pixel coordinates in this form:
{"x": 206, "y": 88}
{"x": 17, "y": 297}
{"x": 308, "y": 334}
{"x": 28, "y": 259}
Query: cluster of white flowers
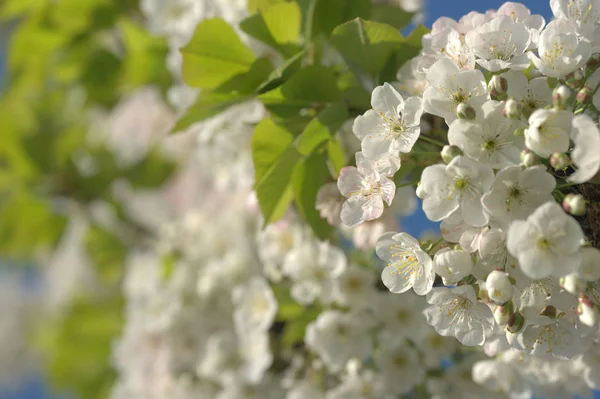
{"x": 515, "y": 272}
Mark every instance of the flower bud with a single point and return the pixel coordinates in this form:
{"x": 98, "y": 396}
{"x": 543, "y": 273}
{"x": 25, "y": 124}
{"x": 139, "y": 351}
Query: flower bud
{"x": 575, "y": 79}
{"x": 574, "y": 204}
{"x": 573, "y": 284}
{"x": 449, "y": 152}
{"x": 529, "y": 158}
{"x": 465, "y": 111}
{"x": 497, "y": 87}
{"x": 561, "y": 97}
{"x": 499, "y": 288}
{"x": 560, "y": 160}
{"x": 502, "y": 313}
{"x": 592, "y": 64}
{"x": 512, "y": 109}
{"x": 515, "y": 323}
{"x": 584, "y": 96}
{"x": 587, "y": 311}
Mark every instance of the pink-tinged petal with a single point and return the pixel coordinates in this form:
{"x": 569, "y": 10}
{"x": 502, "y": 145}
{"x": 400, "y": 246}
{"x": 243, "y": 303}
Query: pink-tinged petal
{"x": 365, "y": 165}
{"x": 361, "y": 208}
{"x": 368, "y": 124}
{"x": 388, "y": 190}
{"x": 387, "y": 164}
{"x": 373, "y": 208}
{"x": 386, "y": 99}
{"x": 350, "y": 181}
{"x": 375, "y": 146}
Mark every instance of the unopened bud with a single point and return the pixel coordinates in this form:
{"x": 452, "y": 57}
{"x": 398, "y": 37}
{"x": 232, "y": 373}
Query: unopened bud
{"x": 449, "y": 152}
{"x": 512, "y": 109}
{"x": 465, "y": 111}
{"x": 499, "y": 287}
{"x": 497, "y": 87}
{"x": 587, "y": 311}
{"x": 592, "y": 64}
{"x": 573, "y": 284}
{"x": 584, "y": 96}
{"x": 560, "y": 161}
{"x": 549, "y": 311}
{"x": 502, "y": 313}
{"x": 515, "y": 323}
{"x": 575, "y": 79}
{"x": 562, "y": 97}
{"x": 574, "y": 204}
{"x": 529, "y": 158}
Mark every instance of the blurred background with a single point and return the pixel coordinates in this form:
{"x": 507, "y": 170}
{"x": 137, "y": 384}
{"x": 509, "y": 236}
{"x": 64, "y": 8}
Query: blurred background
{"x": 104, "y": 78}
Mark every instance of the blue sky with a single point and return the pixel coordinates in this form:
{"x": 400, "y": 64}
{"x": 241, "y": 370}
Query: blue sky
{"x": 457, "y": 8}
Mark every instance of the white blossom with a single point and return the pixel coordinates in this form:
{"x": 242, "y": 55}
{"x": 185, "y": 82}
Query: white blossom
{"x": 458, "y": 185}
{"x": 586, "y": 154}
{"x": 391, "y": 126}
{"x": 456, "y": 312}
{"x": 366, "y": 187}
{"x": 448, "y": 86}
{"x": 500, "y": 43}
{"x": 490, "y": 138}
{"x": 547, "y": 243}
{"x": 560, "y": 50}
{"x": 409, "y": 266}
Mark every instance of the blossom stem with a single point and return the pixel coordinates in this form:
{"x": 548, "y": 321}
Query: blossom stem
{"x": 431, "y": 140}
{"x": 559, "y": 186}
{"x": 412, "y": 183}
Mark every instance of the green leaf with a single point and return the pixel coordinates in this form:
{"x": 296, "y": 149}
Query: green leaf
{"x": 337, "y": 154}
{"x": 313, "y": 84}
{"x": 322, "y": 128}
{"x": 274, "y": 190}
{"x": 391, "y": 15}
{"x": 269, "y": 142}
{"x": 282, "y": 73}
{"x": 331, "y": 13}
{"x": 237, "y": 89}
{"x": 310, "y": 174}
{"x": 248, "y": 82}
{"x": 256, "y": 5}
{"x": 214, "y": 55}
{"x": 208, "y": 104}
{"x": 366, "y": 44}
{"x": 278, "y": 26}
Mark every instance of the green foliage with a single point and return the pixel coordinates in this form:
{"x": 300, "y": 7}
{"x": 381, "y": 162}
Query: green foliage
{"x": 366, "y": 44}
{"x": 214, "y": 55}
{"x": 296, "y": 150}
{"x": 310, "y": 174}
{"x": 64, "y": 59}
{"x": 277, "y": 26}
{"x": 78, "y": 347}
